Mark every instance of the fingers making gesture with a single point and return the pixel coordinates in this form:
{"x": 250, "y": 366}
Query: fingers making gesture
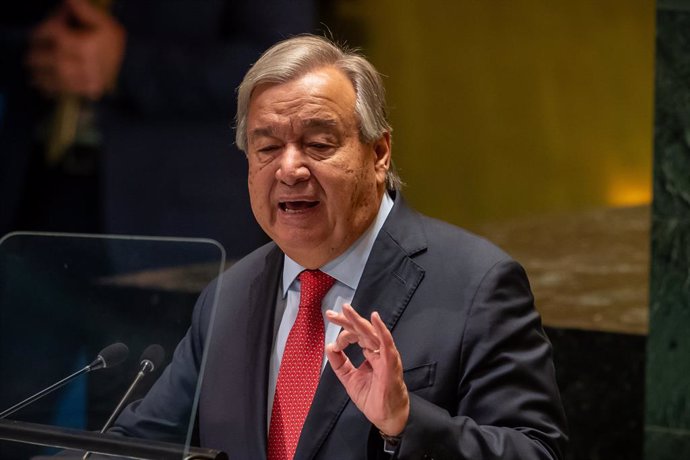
{"x": 376, "y": 387}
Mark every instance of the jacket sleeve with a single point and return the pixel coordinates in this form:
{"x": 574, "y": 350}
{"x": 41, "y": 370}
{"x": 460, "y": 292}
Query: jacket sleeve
{"x": 165, "y": 412}
{"x": 508, "y": 403}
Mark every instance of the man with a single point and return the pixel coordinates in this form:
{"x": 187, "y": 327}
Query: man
{"x": 448, "y": 357}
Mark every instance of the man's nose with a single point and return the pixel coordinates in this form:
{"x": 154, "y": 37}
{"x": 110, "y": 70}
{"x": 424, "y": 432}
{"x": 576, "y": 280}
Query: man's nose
{"x": 293, "y": 167}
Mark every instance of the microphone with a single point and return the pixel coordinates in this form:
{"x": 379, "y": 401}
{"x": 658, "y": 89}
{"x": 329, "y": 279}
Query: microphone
{"x": 150, "y": 360}
{"x": 110, "y": 356}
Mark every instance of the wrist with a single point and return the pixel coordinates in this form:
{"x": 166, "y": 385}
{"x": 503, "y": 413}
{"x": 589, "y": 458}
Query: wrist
{"x": 390, "y": 443}
{"x": 395, "y": 425}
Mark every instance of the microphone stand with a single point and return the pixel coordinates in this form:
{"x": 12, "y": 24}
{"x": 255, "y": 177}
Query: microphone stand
{"x": 146, "y": 366}
{"x": 125, "y": 398}
{"x": 45, "y": 391}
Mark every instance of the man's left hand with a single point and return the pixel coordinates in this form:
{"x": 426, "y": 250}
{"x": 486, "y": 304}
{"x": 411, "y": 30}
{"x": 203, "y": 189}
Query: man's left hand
{"x": 376, "y": 386}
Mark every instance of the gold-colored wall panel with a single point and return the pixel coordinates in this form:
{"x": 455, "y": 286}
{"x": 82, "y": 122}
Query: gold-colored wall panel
{"x": 510, "y": 108}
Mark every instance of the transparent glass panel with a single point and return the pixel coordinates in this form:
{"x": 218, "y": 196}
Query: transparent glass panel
{"x": 64, "y": 297}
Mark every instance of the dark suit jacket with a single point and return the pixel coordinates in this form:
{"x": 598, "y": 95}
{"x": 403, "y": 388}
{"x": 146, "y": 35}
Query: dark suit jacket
{"x": 476, "y": 360}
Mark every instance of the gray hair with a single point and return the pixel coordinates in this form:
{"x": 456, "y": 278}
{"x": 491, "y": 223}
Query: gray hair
{"x": 296, "y": 56}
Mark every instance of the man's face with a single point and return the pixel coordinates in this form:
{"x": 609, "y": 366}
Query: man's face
{"x": 314, "y": 187}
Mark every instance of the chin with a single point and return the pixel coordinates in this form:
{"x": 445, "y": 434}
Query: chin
{"x": 301, "y": 242}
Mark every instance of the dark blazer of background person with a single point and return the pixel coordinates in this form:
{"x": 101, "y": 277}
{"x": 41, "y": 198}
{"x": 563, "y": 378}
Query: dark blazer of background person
{"x": 168, "y": 165}
{"x": 476, "y": 361}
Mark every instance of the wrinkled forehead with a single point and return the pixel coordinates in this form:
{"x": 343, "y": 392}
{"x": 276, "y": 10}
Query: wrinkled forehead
{"x": 321, "y": 98}
{"x": 303, "y": 124}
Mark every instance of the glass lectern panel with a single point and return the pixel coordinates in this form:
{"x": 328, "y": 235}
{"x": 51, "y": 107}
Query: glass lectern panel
{"x": 65, "y": 297}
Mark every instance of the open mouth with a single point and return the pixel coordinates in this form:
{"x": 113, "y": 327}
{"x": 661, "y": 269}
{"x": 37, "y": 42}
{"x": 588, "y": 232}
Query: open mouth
{"x": 296, "y": 206}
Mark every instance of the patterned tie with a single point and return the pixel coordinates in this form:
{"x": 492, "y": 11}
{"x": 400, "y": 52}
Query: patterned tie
{"x": 300, "y": 368}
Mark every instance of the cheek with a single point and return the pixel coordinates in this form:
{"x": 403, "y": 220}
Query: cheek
{"x": 362, "y": 192}
{"x": 257, "y": 180}
{"x": 259, "y": 192}
{"x": 251, "y": 185}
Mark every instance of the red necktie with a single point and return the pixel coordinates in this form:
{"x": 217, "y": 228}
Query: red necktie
{"x": 300, "y": 368}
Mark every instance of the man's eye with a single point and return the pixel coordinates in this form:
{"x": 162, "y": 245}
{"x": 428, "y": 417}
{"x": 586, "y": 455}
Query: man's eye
{"x": 268, "y": 148}
{"x": 319, "y": 147}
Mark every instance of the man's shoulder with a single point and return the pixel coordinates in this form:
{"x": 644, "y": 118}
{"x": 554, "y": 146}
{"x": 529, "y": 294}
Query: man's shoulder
{"x": 441, "y": 239}
{"x": 462, "y": 239}
{"x": 254, "y": 263}
{"x": 231, "y": 286}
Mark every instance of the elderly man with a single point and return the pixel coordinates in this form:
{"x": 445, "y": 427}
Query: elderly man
{"x": 364, "y": 330}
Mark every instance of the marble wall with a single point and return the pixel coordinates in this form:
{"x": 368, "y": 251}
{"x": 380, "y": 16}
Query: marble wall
{"x": 667, "y": 428}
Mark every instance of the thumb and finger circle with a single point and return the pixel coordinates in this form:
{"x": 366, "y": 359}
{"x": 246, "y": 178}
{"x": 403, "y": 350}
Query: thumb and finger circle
{"x": 355, "y": 330}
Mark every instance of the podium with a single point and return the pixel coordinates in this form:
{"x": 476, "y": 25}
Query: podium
{"x": 64, "y": 297}
{"x": 100, "y": 443}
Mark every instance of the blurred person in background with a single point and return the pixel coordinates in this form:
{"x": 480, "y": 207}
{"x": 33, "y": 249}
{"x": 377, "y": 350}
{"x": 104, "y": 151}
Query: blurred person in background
{"x": 117, "y": 120}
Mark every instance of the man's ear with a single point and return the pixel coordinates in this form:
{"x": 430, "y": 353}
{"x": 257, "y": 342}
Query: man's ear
{"x": 382, "y": 152}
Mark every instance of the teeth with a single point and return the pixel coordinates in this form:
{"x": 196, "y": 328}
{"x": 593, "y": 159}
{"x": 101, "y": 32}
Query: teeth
{"x": 296, "y": 206}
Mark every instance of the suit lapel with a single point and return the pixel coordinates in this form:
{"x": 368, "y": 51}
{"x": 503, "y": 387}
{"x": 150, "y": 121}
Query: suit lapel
{"x": 256, "y": 379}
{"x": 388, "y": 282}
{"x": 242, "y": 392}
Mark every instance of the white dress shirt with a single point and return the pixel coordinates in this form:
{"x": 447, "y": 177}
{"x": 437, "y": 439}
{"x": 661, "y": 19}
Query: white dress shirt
{"x": 346, "y": 269}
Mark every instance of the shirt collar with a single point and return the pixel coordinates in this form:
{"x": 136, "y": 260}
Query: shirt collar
{"x": 348, "y": 267}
